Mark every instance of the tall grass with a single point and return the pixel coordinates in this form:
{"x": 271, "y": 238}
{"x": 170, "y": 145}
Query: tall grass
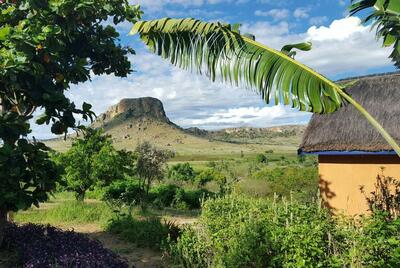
{"x": 68, "y": 212}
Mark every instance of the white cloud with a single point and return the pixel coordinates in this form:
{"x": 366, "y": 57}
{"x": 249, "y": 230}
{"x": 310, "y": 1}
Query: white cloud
{"x": 251, "y": 116}
{"x": 276, "y": 14}
{"x": 301, "y": 13}
{"x": 344, "y": 46}
{"x": 339, "y": 30}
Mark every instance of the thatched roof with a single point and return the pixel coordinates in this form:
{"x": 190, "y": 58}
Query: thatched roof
{"x": 348, "y": 130}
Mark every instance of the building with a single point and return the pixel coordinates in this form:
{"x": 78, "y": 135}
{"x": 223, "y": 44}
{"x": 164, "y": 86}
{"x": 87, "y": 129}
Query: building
{"x": 350, "y": 151}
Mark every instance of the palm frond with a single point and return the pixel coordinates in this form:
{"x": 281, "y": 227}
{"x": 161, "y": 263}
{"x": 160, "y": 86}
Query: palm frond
{"x": 220, "y": 51}
{"x": 385, "y": 15}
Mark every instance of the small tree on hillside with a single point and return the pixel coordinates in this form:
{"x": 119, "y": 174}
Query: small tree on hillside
{"x": 182, "y": 172}
{"x": 150, "y": 163}
{"x": 94, "y": 161}
{"x": 45, "y": 46}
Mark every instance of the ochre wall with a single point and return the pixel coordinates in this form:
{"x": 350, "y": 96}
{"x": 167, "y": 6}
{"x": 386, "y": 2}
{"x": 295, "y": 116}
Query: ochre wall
{"x": 342, "y": 176}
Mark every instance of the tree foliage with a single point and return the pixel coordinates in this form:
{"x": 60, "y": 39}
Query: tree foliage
{"x": 94, "y": 161}
{"x": 45, "y": 46}
{"x": 385, "y": 16}
{"x": 182, "y": 172}
{"x": 150, "y": 163}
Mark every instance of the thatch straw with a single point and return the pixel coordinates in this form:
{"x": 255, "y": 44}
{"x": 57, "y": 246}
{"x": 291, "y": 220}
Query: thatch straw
{"x": 348, "y": 130}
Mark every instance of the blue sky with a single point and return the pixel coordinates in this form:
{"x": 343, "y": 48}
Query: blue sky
{"x": 342, "y": 48}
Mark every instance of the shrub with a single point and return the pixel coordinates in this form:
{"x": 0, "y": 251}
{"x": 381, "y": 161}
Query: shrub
{"x": 45, "y": 246}
{"x": 194, "y": 198}
{"x": 261, "y": 158}
{"x": 244, "y": 232}
{"x": 150, "y": 232}
{"x": 376, "y": 243}
{"x": 163, "y": 195}
{"x": 126, "y": 193}
{"x": 385, "y": 197}
{"x": 182, "y": 172}
{"x": 301, "y": 182}
{"x": 204, "y": 177}
{"x": 239, "y": 232}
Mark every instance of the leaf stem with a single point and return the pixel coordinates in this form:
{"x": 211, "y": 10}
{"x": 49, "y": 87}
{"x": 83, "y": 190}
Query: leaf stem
{"x": 361, "y": 109}
{"x": 371, "y": 120}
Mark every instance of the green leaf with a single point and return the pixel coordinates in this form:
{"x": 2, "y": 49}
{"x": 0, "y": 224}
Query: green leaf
{"x": 307, "y": 46}
{"x": 389, "y": 40}
{"x": 222, "y": 52}
{"x": 4, "y": 32}
{"x": 86, "y": 107}
{"x": 42, "y": 119}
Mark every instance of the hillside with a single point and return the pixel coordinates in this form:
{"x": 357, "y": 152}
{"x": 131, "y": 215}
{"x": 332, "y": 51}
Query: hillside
{"x": 290, "y": 134}
{"x": 136, "y": 120}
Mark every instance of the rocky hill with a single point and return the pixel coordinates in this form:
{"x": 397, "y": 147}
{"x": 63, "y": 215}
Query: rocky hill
{"x": 132, "y": 121}
{"x": 133, "y": 109}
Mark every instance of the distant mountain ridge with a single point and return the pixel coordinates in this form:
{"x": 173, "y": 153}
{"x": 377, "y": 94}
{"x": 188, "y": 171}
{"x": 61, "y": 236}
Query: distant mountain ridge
{"x": 132, "y": 121}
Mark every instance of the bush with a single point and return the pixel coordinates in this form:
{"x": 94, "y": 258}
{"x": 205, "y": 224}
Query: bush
{"x": 127, "y": 194}
{"x": 182, "y": 172}
{"x": 245, "y": 232}
{"x": 261, "y": 158}
{"x": 194, "y": 198}
{"x": 150, "y": 233}
{"x": 120, "y": 194}
{"x": 96, "y": 193}
{"x": 163, "y": 195}
{"x": 300, "y": 182}
{"x": 204, "y": 177}
{"x": 45, "y": 246}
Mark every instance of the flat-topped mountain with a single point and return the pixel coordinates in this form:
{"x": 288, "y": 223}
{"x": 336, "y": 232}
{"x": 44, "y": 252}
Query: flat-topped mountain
{"x": 137, "y": 109}
{"x": 132, "y": 121}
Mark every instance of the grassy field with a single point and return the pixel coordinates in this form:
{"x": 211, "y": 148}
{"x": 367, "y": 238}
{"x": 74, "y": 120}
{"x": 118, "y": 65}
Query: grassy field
{"x": 188, "y": 147}
{"x": 234, "y": 155}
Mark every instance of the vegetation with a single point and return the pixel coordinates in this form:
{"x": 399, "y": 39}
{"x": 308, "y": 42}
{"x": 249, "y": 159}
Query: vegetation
{"x": 150, "y": 164}
{"x": 182, "y": 172}
{"x": 385, "y": 16}
{"x": 257, "y": 204}
{"x": 68, "y": 212}
{"x": 385, "y": 197}
{"x": 244, "y": 232}
{"x": 127, "y": 194}
{"x": 93, "y": 161}
{"x": 261, "y": 158}
{"x": 144, "y": 233}
{"x": 41, "y": 55}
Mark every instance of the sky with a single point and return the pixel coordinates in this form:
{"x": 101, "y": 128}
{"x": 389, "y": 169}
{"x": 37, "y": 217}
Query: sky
{"x": 342, "y": 47}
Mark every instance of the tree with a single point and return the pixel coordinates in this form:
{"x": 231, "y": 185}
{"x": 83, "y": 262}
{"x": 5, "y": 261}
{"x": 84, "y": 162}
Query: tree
{"x": 385, "y": 16}
{"x": 150, "y": 163}
{"x": 41, "y": 55}
{"x": 220, "y": 50}
{"x": 205, "y": 176}
{"x": 261, "y": 158}
{"x": 182, "y": 172}
{"x": 93, "y": 161}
